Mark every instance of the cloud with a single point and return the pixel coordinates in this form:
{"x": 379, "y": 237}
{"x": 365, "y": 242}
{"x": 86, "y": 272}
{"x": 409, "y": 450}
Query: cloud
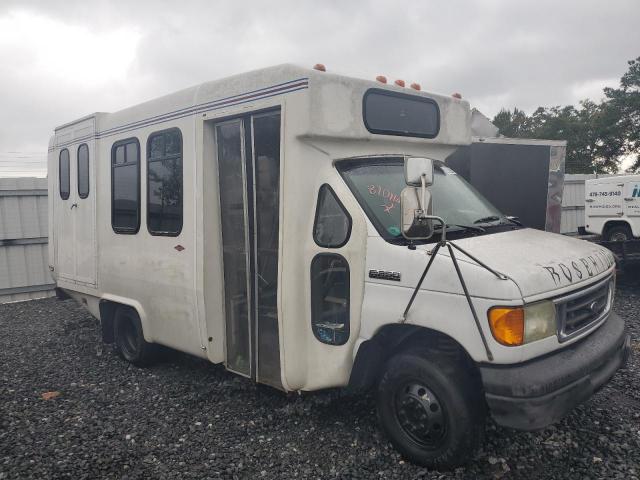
{"x": 60, "y": 60}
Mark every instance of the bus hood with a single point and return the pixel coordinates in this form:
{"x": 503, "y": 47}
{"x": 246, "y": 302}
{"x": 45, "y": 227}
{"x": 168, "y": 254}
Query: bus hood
{"x": 539, "y": 262}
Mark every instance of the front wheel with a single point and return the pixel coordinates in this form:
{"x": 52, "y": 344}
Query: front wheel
{"x": 431, "y": 409}
{"x": 619, "y": 233}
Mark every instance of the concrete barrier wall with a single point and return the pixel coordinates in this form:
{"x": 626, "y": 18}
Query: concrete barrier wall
{"x": 24, "y": 266}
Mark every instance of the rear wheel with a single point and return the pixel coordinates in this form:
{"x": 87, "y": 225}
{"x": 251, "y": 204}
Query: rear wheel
{"x": 129, "y": 339}
{"x": 431, "y": 409}
{"x": 619, "y": 233}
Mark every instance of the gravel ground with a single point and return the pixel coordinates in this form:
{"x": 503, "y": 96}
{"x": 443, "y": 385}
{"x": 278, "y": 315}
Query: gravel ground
{"x": 186, "y": 418}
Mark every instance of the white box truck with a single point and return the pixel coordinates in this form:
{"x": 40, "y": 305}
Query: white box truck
{"x": 612, "y": 207}
{"x": 302, "y": 229}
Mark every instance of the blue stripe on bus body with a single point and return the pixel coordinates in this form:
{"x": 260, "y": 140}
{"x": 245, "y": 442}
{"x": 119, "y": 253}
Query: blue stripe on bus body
{"x": 200, "y": 108}
{"x": 101, "y": 135}
{"x": 192, "y": 107}
{"x": 268, "y": 92}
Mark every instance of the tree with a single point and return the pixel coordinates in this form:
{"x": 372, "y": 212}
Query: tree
{"x": 625, "y": 101}
{"x": 598, "y": 135}
{"x": 512, "y": 124}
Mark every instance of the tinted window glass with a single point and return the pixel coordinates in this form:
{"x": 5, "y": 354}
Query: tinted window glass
{"x": 395, "y": 113}
{"x": 266, "y": 157}
{"x": 229, "y": 139}
{"x": 125, "y": 186}
{"x": 119, "y": 154}
{"x": 83, "y": 171}
{"x": 330, "y": 298}
{"x": 131, "y": 151}
{"x": 333, "y": 224}
{"x": 164, "y": 183}
{"x": 63, "y": 170}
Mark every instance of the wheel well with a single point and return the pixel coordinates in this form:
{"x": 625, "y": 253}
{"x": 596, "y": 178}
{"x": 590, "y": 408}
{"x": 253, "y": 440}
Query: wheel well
{"x": 614, "y": 223}
{"x": 392, "y": 339}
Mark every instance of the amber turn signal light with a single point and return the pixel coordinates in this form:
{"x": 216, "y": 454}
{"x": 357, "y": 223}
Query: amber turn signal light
{"x": 507, "y": 325}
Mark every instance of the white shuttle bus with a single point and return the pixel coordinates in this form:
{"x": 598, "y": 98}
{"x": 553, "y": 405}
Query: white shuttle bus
{"x": 302, "y": 228}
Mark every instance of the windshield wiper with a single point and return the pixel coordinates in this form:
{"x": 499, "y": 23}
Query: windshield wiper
{"x": 492, "y": 218}
{"x": 469, "y": 228}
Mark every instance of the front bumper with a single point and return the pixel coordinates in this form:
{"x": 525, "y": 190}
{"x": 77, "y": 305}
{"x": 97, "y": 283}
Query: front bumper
{"x": 534, "y": 394}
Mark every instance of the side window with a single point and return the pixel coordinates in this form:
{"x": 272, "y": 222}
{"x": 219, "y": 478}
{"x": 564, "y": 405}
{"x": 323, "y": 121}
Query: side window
{"x": 125, "y": 186}
{"x": 83, "y": 171}
{"x": 63, "y": 171}
{"x": 164, "y": 182}
{"x": 330, "y": 298}
{"x": 332, "y": 225}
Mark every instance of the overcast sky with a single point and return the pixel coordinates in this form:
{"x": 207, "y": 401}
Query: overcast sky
{"x": 62, "y": 59}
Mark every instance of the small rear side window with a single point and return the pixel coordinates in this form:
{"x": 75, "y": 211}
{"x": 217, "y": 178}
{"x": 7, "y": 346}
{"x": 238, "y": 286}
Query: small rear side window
{"x": 394, "y": 113}
{"x": 83, "y": 171}
{"x": 64, "y": 173}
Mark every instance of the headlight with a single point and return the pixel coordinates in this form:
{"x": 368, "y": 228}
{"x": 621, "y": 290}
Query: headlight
{"x": 539, "y": 321}
{"x": 513, "y": 326}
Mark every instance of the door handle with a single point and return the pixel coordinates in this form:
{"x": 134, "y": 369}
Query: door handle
{"x": 589, "y": 200}
{"x": 74, "y": 205}
{"x": 628, "y": 199}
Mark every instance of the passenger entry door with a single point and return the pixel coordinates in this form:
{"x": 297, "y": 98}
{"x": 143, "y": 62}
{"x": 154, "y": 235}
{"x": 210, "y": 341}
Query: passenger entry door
{"x": 248, "y": 159}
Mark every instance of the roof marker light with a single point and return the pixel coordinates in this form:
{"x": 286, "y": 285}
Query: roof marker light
{"x": 399, "y": 83}
{"x": 320, "y": 67}
{"x": 415, "y": 86}
{"x": 456, "y": 95}
{"x": 381, "y": 79}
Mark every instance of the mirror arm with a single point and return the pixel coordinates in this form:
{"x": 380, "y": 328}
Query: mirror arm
{"x": 440, "y": 220}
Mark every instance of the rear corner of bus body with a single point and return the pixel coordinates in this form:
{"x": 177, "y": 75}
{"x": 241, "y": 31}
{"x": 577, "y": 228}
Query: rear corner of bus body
{"x": 52, "y": 193}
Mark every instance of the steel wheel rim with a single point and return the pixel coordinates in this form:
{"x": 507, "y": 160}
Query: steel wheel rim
{"x": 421, "y": 415}
{"x": 619, "y": 237}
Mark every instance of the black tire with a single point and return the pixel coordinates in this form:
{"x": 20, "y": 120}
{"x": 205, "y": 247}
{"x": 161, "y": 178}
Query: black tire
{"x": 129, "y": 339}
{"x": 431, "y": 409}
{"x": 619, "y": 233}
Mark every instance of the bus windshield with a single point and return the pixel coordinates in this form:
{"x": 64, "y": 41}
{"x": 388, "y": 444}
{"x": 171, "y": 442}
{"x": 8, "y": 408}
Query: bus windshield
{"x": 378, "y": 181}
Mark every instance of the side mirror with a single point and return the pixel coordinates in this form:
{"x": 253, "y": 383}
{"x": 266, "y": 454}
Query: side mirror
{"x": 415, "y": 203}
{"x": 416, "y": 170}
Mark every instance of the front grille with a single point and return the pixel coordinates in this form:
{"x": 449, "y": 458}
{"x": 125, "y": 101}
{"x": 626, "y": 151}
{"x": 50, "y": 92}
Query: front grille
{"x": 583, "y": 308}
